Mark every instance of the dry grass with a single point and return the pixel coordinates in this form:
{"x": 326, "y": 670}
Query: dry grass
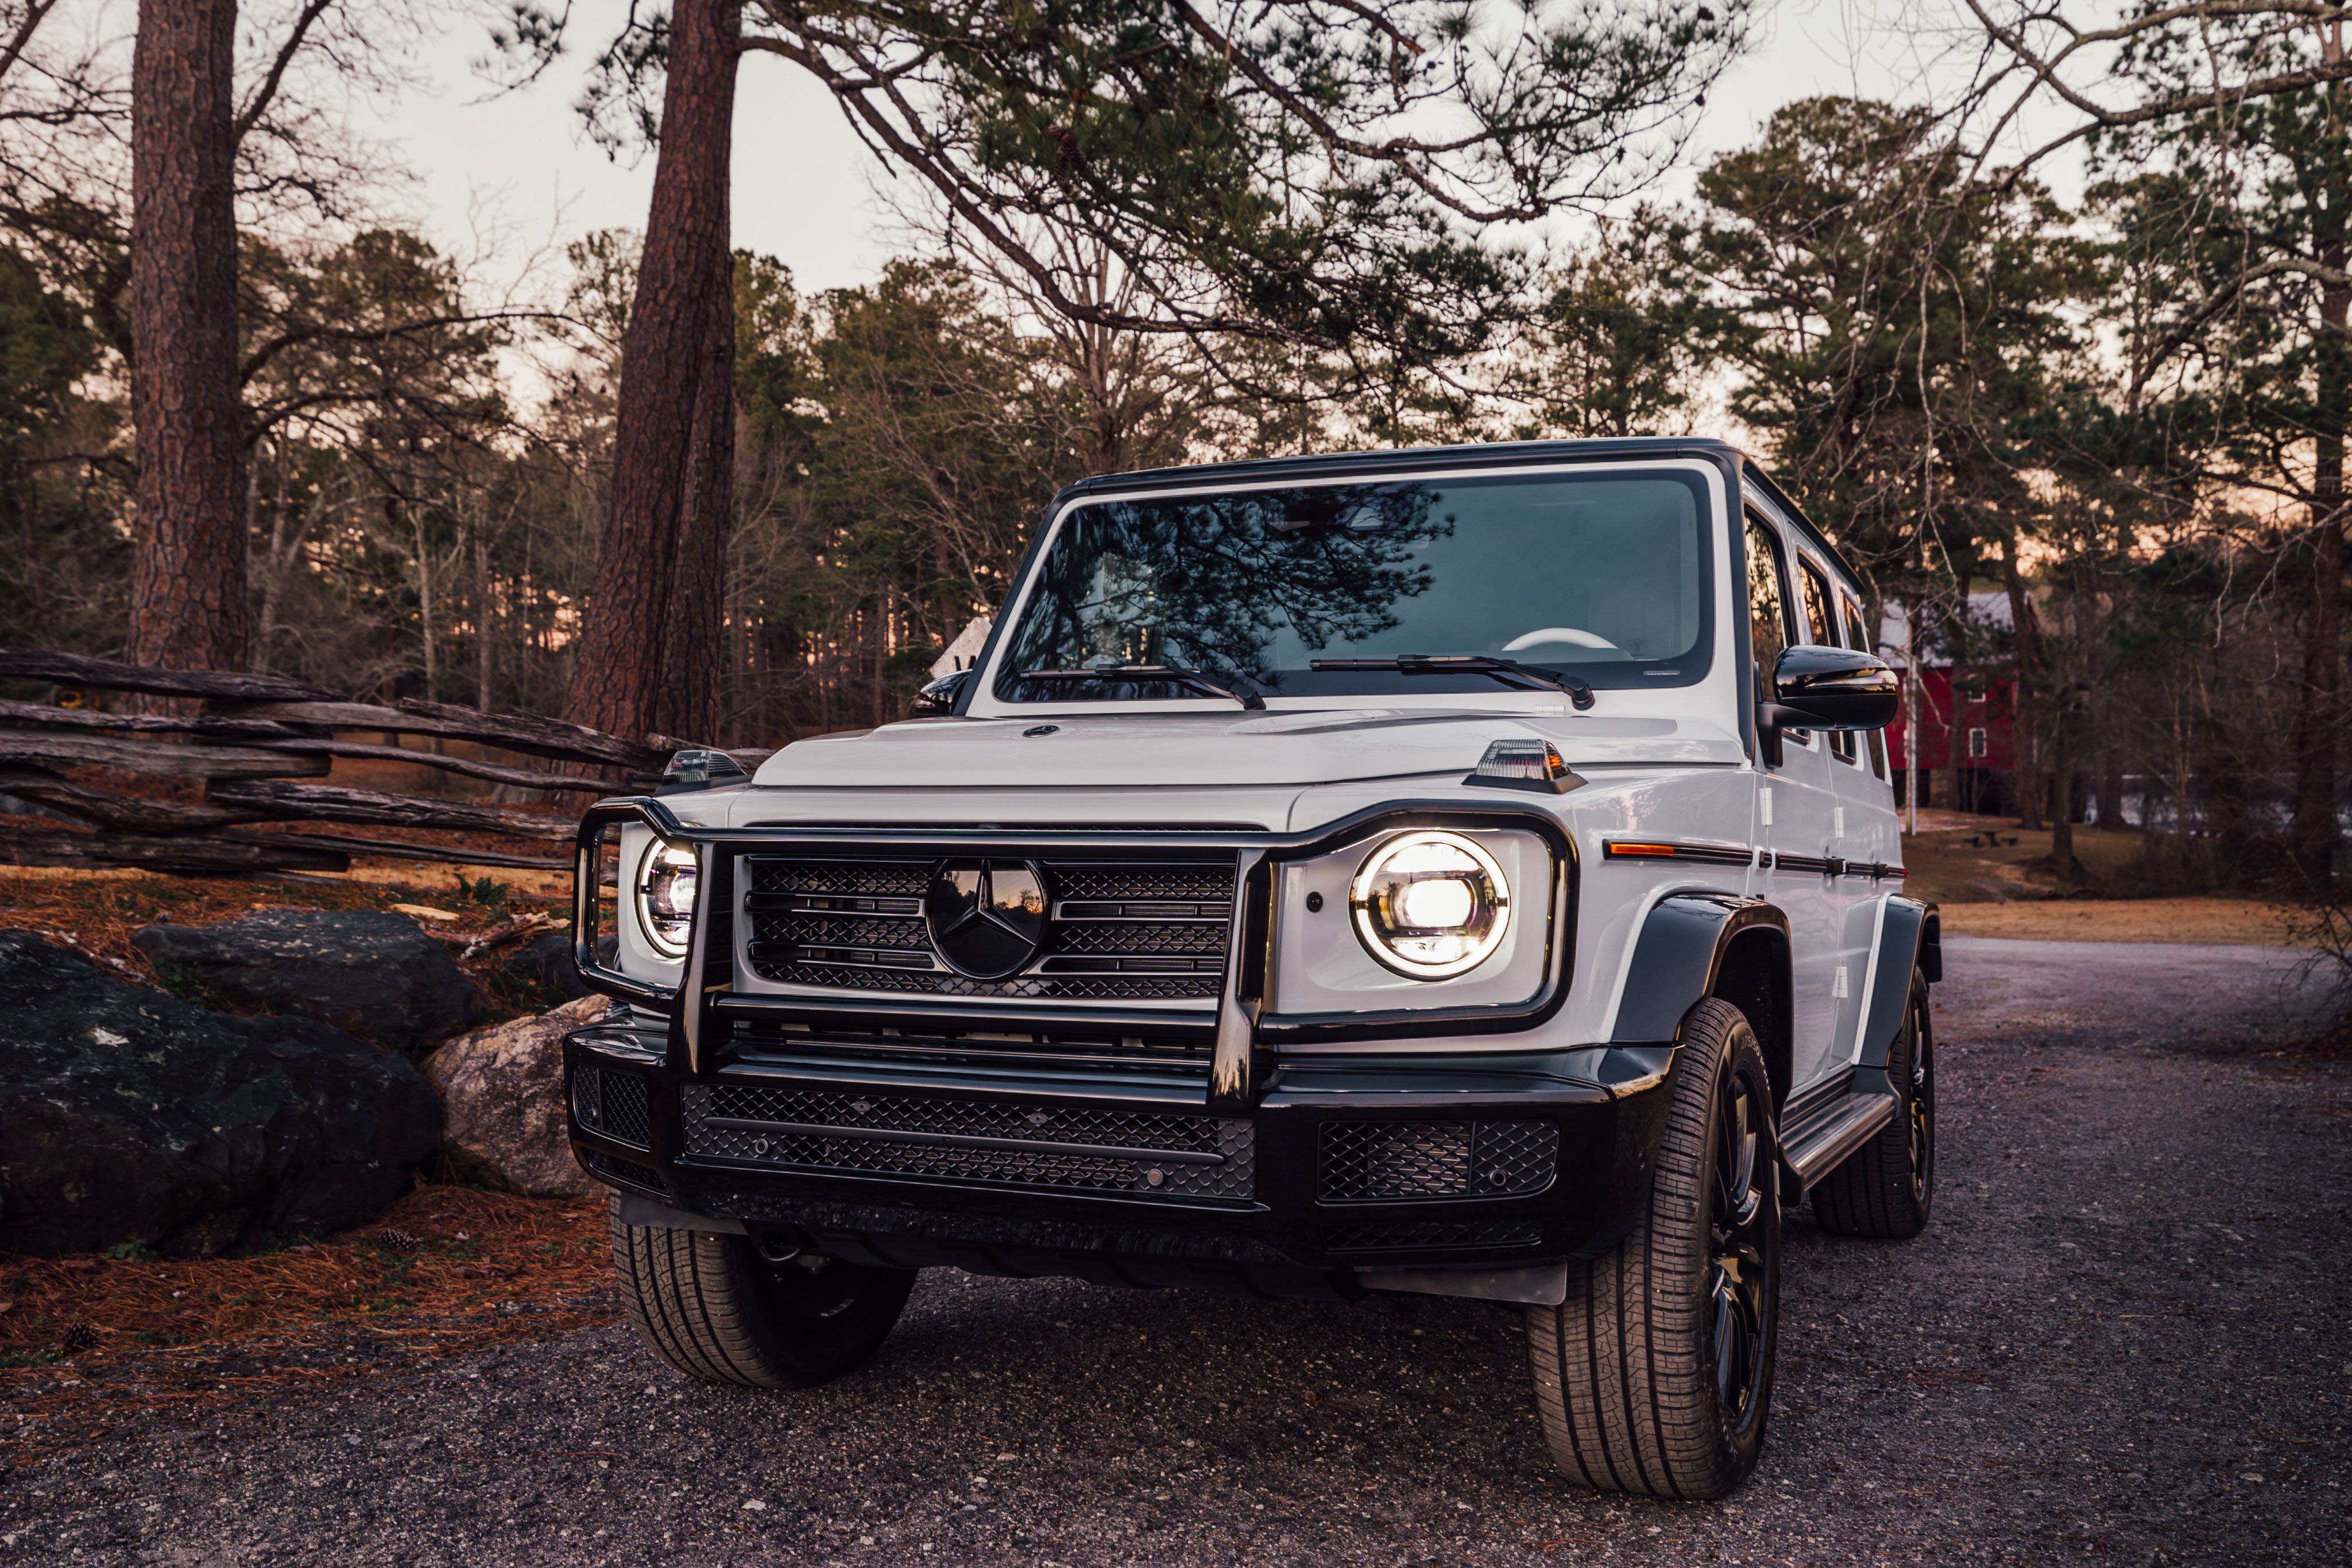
{"x": 1947, "y": 868}
{"x": 446, "y": 1269}
{"x": 2237, "y": 922}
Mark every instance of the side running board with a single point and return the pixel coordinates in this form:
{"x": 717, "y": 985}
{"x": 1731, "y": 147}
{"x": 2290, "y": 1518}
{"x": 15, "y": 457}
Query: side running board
{"x": 1822, "y": 1144}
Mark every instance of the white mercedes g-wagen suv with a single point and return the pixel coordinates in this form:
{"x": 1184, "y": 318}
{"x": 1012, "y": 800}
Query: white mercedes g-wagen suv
{"x": 1468, "y": 872}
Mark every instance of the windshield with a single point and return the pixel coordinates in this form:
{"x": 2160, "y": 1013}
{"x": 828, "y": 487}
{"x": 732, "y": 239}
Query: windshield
{"x": 1596, "y": 576}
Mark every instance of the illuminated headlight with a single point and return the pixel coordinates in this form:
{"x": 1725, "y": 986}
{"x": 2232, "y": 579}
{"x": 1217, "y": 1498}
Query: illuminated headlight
{"x": 1429, "y": 905}
{"x": 665, "y": 882}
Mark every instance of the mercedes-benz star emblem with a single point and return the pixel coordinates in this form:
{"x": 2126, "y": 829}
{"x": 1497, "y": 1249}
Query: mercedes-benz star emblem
{"x": 987, "y": 919}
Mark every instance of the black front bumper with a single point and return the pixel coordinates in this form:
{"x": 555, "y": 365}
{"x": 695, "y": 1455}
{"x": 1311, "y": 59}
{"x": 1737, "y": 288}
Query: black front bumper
{"x": 1430, "y": 1161}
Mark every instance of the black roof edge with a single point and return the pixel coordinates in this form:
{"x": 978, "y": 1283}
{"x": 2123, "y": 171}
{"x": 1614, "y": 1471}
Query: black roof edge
{"x": 1482, "y": 454}
{"x": 1754, "y": 471}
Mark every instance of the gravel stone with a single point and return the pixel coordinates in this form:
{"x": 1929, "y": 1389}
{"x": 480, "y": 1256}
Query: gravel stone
{"x": 2131, "y": 1299}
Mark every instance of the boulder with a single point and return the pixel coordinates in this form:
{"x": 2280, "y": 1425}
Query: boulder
{"x": 131, "y": 1117}
{"x": 367, "y": 972}
{"x": 546, "y": 961}
{"x": 502, "y": 1102}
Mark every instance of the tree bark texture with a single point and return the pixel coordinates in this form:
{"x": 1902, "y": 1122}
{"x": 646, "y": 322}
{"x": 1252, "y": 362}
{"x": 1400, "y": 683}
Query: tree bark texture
{"x": 2024, "y": 727}
{"x": 616, "y": 668}
{"x": 187, "y": 585}
{"x": 694, "y": 645}
{"x": 2318, "y": 719}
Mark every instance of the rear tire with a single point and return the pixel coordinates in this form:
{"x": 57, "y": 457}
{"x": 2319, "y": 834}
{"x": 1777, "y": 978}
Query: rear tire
{"x": 1887, "y": 1188}
{"x": 1655, "y": 1374}
{"x": 711, "y": 1306}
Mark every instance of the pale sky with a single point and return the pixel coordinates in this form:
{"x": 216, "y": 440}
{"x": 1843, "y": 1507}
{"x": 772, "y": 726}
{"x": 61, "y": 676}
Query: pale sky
{"x": 508, "y": 175}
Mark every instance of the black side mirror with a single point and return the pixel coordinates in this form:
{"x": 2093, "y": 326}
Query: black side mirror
{"x": 939, "y": 698}
{"x": 1831, "y": 688}
{"x": 700, "y": 769}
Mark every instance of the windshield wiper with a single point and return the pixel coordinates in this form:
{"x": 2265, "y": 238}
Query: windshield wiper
{"x": 1171, "y": 674}
{"x": 1510, "y": 672}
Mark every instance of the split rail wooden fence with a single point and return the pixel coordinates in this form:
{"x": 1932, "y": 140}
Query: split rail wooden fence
{"x": 253, "y": 746}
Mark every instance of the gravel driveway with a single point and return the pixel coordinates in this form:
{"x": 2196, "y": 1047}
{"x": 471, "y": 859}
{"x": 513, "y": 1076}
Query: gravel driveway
{"x": 2123, "y": 1340}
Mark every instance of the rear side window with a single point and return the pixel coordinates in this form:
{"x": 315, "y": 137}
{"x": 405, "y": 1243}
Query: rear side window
{"x": 1820, "y": 627}
{"x": 1822, "y": 630}
{"x": 1857, "y": 637}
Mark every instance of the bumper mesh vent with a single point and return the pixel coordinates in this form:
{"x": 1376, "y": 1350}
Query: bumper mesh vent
{"x": 617, "y": 1104}
{"x": 626, "y": 1172}
{"x": 1118, "y": 930}
{"x": 1431, "y": 1236}
{"x": 1138, "y": 1153}
{"x": 1378, "y": 1162}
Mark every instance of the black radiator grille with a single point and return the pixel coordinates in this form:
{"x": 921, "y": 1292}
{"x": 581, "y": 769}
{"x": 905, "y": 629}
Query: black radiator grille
{"x": 1127, "y": 929}
{"x": 1373, "y": 1162}
{"x": 617, "y": 1104}
{"x": 1138, "y": 1153}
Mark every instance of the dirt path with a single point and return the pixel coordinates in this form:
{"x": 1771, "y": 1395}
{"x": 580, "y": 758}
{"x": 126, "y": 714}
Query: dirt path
{"x": 2121, "y": 1342}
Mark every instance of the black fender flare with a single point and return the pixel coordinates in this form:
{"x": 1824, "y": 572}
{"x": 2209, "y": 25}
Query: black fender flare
{"x": 1909, "y": 937}
{"x": 1678, "y": 956}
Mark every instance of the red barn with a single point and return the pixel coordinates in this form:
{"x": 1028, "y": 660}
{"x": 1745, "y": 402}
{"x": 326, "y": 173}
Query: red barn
{"x": 1976, "y": 734}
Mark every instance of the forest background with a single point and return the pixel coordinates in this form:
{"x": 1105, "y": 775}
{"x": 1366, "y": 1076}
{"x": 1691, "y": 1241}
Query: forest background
{"x": 2120, "y": 411}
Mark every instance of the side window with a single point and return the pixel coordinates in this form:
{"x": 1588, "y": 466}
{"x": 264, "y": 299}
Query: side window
{"x": 1821, "y": 630}
{"x": 1767, "y": 621}
{"x": 1857, "y": 637}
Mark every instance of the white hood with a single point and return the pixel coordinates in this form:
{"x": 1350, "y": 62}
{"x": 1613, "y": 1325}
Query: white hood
{"x": 1196, "y": 751}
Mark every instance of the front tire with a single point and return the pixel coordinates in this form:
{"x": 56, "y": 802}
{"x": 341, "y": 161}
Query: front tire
{"x": 711, "y": 1306}
{"x": 1887, "y": 1188}
{"x": 1655, "y": 1374}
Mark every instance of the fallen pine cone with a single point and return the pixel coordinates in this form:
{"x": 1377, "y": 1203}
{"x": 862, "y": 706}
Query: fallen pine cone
{"x": 399, "y": 1240}
{"x": 77, "y": 1339}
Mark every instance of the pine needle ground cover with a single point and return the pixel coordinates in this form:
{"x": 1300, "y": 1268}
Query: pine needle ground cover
{"x": 86, "y": 1341}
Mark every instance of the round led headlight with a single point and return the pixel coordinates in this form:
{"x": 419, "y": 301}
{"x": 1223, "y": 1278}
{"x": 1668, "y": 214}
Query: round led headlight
{"x": 1429, "y": 905}
{"x": 666, "y": 883}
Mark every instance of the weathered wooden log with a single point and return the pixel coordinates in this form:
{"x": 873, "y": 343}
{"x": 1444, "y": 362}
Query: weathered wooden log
{"x": 47, "y": 715}
{"x": 74, "y": 670}
{"x": 549, "y": 737}
{"x": 124, "y": 813}
{"x": 403, "y": 850}
{"x": 333, "y": 803}
{"x": 533, "y": 736}
{"x": 221, "y": 855}
{"x": 47, "y": 750}
{"x": 323, "y": 749}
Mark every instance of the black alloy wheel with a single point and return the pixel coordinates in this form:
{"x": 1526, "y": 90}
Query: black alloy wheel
{"x": 1740, "y": 1252}
{"x": 810, "y": 1290}
{"x": 1922, "y": 1119}
{"x": 1654, "y": 1373}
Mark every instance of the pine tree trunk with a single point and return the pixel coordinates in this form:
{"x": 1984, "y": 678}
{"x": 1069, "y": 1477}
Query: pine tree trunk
{"x": 694, "y": 639}
{"x": 2317, "y": 717}
{"x": 187, "y": 574}
{"x": 2025, "y": 725}
{"x": 617, "y": 666}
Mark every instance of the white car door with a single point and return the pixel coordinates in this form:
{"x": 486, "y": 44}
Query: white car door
{"x": 1853, "y": 897}
{"x": 1796, "y": 816}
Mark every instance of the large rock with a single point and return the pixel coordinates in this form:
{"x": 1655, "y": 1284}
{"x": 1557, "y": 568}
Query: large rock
{"x": 502, "y": 1102}
{"x": 128, "y": 1116}
{"x": 546, "y": 961}
{"x": 368, "y": 973}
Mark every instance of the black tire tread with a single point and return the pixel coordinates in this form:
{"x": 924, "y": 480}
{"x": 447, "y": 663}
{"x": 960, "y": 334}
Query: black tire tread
{"x": 684, "y": 1293}
{"x": 1623, "y": 1389}
{"x": 1869, "y": 1194}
